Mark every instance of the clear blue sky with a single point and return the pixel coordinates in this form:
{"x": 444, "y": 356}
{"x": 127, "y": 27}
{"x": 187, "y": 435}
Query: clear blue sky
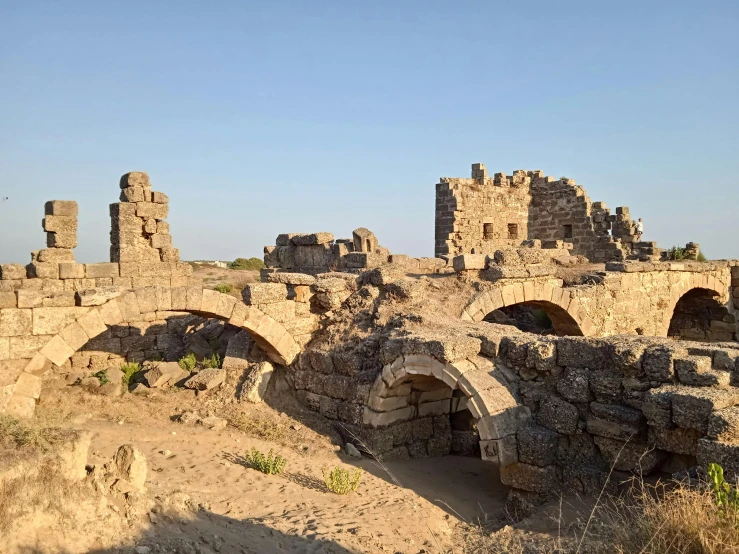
{"x": 285, "y": 116}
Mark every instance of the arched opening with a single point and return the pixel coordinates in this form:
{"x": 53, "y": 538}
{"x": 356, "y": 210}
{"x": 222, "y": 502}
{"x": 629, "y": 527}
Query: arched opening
{"x": 699, "y": 315}
{"x": 539, "y": 317}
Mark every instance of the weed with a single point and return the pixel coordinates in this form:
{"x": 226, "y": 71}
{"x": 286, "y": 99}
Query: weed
{"x": 102, "y": 376}
{"x": 271, "y": 464}
{"x": 214, "y": 361}
{"x": 727, "y": 498}
{"x": 129, "y": 371}
{"x": 342, "y": 481}
{"x": 188, "y": 362}
{"x": 701, "y": 257}
{"x": 16, "y": 434}
{"x": 225, "y": 288}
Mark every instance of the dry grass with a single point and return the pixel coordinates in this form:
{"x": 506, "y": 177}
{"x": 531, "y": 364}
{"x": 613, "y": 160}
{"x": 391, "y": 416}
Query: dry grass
{"x": 17, "y": 435}
{"x": 44, "y": 490}
{"x": 662, "y": 519}
{"x": 265, "y": 426}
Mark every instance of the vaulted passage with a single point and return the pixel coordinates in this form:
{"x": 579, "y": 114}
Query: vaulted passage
{"x": 542, "y": 318}
{"x": 699, "y": 315}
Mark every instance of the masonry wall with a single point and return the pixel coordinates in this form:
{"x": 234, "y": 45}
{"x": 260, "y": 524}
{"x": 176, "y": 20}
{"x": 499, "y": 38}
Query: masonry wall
{"x": 482, "y": 214}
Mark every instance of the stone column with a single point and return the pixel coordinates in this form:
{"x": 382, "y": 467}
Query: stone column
{"x": 60, "y": 224}
{"x": 139, "y": 232}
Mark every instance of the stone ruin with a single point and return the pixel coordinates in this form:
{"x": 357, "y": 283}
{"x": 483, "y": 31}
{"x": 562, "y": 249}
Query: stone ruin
{"x": 404, "y": 354}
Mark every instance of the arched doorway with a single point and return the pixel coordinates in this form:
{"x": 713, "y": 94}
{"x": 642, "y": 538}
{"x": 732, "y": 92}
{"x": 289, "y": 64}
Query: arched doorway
{"x": 541, "y": 318}
{"x": 700, "y": 315}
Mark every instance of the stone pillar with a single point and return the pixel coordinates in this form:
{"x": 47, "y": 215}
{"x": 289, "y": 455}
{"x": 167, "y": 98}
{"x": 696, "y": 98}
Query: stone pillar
{"x": 139, "y": 232}
{"x": 60, "y": 224}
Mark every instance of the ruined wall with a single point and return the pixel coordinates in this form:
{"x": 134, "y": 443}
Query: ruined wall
{"x": 317, "y": 253}
{"x": 482, "y": 214}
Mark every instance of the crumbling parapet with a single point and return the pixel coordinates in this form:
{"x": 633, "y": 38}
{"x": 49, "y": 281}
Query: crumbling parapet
{"x": 139, "y": 232}
{"x": 60, "y": 224}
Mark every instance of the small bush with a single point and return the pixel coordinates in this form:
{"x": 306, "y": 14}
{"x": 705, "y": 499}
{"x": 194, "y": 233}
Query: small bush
{"x": 342, "y": 481}
{"x": 214, "y": 361}
{"x": 225, "y": 288}
{"x": 701, "y": 257}
{"x": 253, "y": 264}
{"x": 271, "y": 464}
{"x": 102, "y": 376}
{"x": 129, "y": 370}
{"x": 188, "y": 362}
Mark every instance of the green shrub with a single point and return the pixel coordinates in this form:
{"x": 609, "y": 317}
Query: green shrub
{"x": 676, "y": 253}
{"x": 726, "y": 497}
{"x": 225, "y": 288}
{"x": 129, "y": 370}
{"x": 271, "y": 464}
{"x": 253, "y": 264}
{"x": 102, "y": 376}
{"x": 342, "y": 481}
{"x": 701, "y": 257}
{"x": 188, "y": 362}
{"x": 214, "y": 361}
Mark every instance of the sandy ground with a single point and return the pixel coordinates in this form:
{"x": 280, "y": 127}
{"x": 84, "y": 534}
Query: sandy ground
{"x": 244, "y": 511}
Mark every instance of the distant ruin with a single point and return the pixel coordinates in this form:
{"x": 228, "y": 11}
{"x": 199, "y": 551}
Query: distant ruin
{"x": 641, "y": 356}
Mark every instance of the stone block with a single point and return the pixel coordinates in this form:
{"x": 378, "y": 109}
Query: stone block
{"x": 43, "y": 270}
{"x": 530, "y": 478}
{"x": 62, "y": 239}
{"x": 92, "y": 323}
{"x": 537, "y": 445}
{"x": 135, "y": 179}
{"x": 30, "y": 298}
{"x": 49, "y": 321}
{"x": 71, "y": 270}
{"x": 206, "y": 379}
{"x": 723, "y": 425}
{"x": 159, "y": 197}
{"x": 57, "y": 350}
{"x": 692, "y": 407}
{"x": 61, "y": 207}
{"x": 382, "y": 419}
{"x": 558, "y": 415}
{"x": 55, "y": 255}
{"x": 12, "y": 272}
{"x": 134, "y": 194}
{"x": 264, "y": 293}
{"x": 97, "y": 296}
{"x": 16, "y": 322}
{"x": 696, "y": 371}
{"x": 94, "y": 271}
{"x": 74, "y": 335}
{"x": 60, "y": 224}
{"x": 148, "y": 210}
{"x": 21, "y": 406}
{"x": 469, "y": 262}
{"x": 677, "y": 441}
{"x": 629, "y": 456}
{"x": 311, "y": 239}
{"x": 8, "y": 300}
{"x": 573, "y": 385}
{"x": 718, "y": 452}
{"x": 161, "y": 241}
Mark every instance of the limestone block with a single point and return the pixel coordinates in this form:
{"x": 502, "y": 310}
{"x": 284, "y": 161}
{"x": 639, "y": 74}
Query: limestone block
{"x": 467, "y": 262}
{"x": 25, "y": 347}
{"x": 629, "y": 456}
{"x": 92, "y": 323}
{"x": 530, "y": 478}
{"x": 723, "y": 425}
{"x": 74, "y": 335}
{"x": 71, "y": 270}
{"x": 677, "y": 441}
{"x": 264, "y": 293}
{"x": 94, "y": 271}
{"x": 504, "y": 423}
{"x": 110, "y": 313}
{"x": 692, "y": 407}
{"x": 62, "y": 239}
{"x": 206, "y": 379}
{"x": 30, "y": 298}
{"x": 169, "y": 254}
{"x": 61, "y": 207}
{"x": 159, "y": 197}
{"x": 256, "y": 381}
{"x": 163, "y": 374}
{"x": 57, "y": 350}
{"x": 537, "y": 445}
{"x": 8, "y": 300}
{"x": 60, "y": 224}
{"x": 12, "y": 272}
{"x": 4, "y": 348}
{"x": 210, "y": 301}
{"x": 558, "y": 415}
{"x": 131, "y": 465}
{"x": 382, "y": 419}
{"x": 97, "y": 296}
{"x": 161, "y": 241}
{"x": 500, "y": 451}
{"x": 43, "y": 270}
{"x": 147, "y": 299}
{"x": 134, "y": 194}
{"x": 150, "y": 210}
{"x": 311, "y": 239}
{"x": 16, "y": 322}
{"x": 696, "y": 371}
{"x": 28, "y": 385}
{"x": 194, "y": 298}
{"x": 49, "y": 321}
{"x": 135, "y": 179}
{"x": 55, "y": 255}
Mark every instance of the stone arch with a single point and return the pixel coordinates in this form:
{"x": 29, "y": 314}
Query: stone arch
{"x": 709, "y": 284}
{"x": 269, "y": 334}
{"x": 699, "y": 314}
{"x": 562, "y": 307}
{"x": 485, "y": 388}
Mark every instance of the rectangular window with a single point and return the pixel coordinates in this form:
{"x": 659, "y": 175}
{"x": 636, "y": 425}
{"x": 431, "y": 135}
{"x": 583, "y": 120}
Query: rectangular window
{"x": 487, "y": 231}
{"x": 568, "y": 231}
{"x": 513, "y": 230}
